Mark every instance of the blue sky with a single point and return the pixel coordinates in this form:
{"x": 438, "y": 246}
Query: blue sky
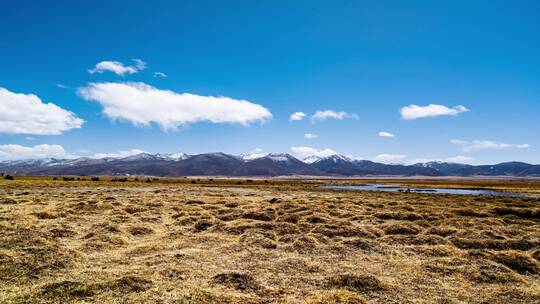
{"x": 477, "y": 62}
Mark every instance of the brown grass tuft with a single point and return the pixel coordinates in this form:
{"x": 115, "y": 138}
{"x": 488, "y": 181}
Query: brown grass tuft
{"x": 45, "y": 215}
{"x": 238, "y": 281}
{"x": 67, "y": 289}
{"x": 28, "y": 254}
{"x": 337, "y": 297}
{"x": 356, "y": 282}
{"x": 74, "y": 290}
{"x": 525, "y": 213}
{"x": 492, "y": 273}
{"x": 517, "y": 261}
{"x": 258, "y": 216}
{"x": 140, "y": 230}
{"x": 521, "y": 244}
{"x": 258, "y": 240}
{"x": 402, "y": 228}
{"x": 470, "y": 212}
{"x": 402, "y": 216}
{"x": 127, "y": 284}
{"x": 7, "y": 201}
{"x": 536, "y": 254}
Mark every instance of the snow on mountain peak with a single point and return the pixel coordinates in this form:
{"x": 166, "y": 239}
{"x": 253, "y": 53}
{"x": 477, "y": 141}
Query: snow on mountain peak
{"x": 338, "y": 157}
{"x": 252, "y": 155}
{"x": 311, "y": 159}
{"x": 140, "y": 156}
{"x": 281, "y": 157}
{"x": 335, "y": 158}
{"x": 178, "y": 156}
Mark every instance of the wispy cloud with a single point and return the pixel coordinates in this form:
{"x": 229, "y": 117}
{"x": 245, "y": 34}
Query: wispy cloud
{"x": 142, "y": 104}
{"x": 390, "y": 158}
{"x": 139, "y": 64}
{"x": 304, "y": 152}
{"x": 432, "y": 110}
{"x": 28, "y": 114}
{"x": 331, "y": 114}
{"x": 118, "y": 67}
{"x": 160, "y": 75}
{"x": 310, "y": 136}
{"x": 477, "y": 145}
{"x": 296, "y": 116}
{"x": 385, "y": 134}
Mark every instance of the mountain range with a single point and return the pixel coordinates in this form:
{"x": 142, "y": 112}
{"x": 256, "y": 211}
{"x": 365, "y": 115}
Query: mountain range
{"x": 273, "y": 164}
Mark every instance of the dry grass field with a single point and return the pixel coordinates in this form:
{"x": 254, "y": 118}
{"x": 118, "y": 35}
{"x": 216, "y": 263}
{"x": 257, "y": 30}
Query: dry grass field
{"x": 257, "y": 241}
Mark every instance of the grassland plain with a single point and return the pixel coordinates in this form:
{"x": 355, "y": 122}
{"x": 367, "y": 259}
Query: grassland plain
{"x": 264, "y": 241}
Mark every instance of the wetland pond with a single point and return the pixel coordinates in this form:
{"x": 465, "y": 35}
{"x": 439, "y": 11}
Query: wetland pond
{"x": 398, "y": 188}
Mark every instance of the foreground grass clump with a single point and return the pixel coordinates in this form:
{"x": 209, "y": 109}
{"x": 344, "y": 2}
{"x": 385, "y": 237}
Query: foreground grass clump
{"x": 30, "y": 254}
{"x": 358, "y": 282}
{"x": 261, "y": 241}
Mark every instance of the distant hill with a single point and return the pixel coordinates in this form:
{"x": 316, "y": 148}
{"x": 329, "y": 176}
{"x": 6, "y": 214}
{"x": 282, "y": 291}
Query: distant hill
{"x": 446, "y": 168}
{"x": 509, "y": 168}
{"x": 274, "y": 164}
{"x": 339, "y": 165}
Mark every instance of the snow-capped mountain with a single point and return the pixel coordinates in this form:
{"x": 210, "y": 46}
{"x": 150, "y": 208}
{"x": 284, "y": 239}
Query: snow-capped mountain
{"x": 274, "y": 164}
{"x": 338, "y": 164}
{"x": 446, "y": 168}
{"x": 80, "y": 161}
{"x": 335, "y": 158}
{"x": 252, "y": 155}
{"x": 281, "y": 157}
{"x": 178, "y": 156}
{"x": 141, "y": 156}
{"x": 251, "y": 164}
{"x": 277, "y": 157}
{"x": 311, "y": 159}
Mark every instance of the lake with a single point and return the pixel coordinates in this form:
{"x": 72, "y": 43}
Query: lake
{"x": 398, "y": 188}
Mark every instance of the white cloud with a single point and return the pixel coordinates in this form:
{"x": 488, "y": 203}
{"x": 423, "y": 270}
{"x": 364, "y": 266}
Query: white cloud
{"x": 477, "y": 145}
{"x": 390, "y": 158}
{"x": 18, "y": 152}
{"x": 297, "y": 116}
{"x": 142, "y": 104}
{"x": 139, "y": 64}
{"x": 310, "y": 136}
{"x": 414, "y": 112}
{"x": 160, "y": 74}
{"x": 353, "y": 157}
{"x": 27, "y": 114}
{"x": 304, "y": 152}
{"x": 119, "y": 154}
{"x": 62, "y": 86}
{"x": 118, "y": 67}
{"x": 330, "y": 114}
{"x": 385, "y": 134}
